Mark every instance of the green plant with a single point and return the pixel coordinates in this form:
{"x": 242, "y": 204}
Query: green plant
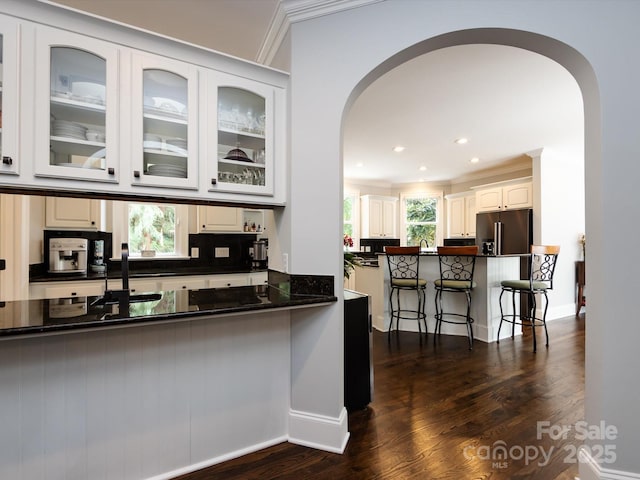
{"x": 349, "y": 263}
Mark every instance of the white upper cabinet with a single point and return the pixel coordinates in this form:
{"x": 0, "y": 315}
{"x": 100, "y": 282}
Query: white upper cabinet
{"x": 164, "y": 112}
{"x": 505, "y": 197}
{"x": 76, "y": 123}
{"x": 241, "y": 115}
{"x": 379, "y": 216}
{"x": 461, "y": 215}
{"x": 142, "y": 116}
{"x": 219, "y": 219}
{"x": 73, "y": 213}
{"x": 9, "y": 94}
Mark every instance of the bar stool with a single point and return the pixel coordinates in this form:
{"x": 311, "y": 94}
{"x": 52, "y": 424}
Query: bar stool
{"x": 542, "y": 263}
{"x": 457, "y": 265}
{"x": 404, "y": 275}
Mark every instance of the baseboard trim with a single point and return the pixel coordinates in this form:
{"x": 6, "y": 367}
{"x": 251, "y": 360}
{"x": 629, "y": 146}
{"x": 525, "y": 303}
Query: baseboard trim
{"x": 216, "y": 460}
{"x": 318, "y": 431}
{"x": 592, "y": 470}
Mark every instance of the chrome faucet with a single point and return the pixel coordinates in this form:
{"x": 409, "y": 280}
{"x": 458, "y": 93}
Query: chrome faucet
{"x": 426, "y": 244}
{"x": 125, "y": 266}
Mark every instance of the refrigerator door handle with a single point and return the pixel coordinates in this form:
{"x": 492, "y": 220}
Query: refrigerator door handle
{"x": 497, "y": 237}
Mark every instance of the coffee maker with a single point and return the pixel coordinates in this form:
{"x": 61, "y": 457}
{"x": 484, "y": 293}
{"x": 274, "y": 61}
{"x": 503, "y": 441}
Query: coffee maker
{"x": 68, "y": 255}
{"x": 259, "y": 256}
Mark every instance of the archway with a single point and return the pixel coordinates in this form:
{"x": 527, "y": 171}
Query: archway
{"x": 561, "y": 53}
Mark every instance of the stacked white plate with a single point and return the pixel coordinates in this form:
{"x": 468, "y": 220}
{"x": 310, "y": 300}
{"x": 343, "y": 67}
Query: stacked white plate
{"x": 152, "y": 141}
{"x": 167, "y": 170}
{"x": 63, "y": 128}
{"x": 177, "y": 142}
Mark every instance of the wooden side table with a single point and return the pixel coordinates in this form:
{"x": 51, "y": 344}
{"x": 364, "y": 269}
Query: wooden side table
{"x": 580, "y": 277}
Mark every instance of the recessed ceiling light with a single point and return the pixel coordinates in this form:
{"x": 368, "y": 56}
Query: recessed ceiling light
{"x": 461, "y": 141}
{"x": 474, "y": 160}
{"x": 359, "y": 164}
{"x": 398, "y": 148}
{"x": 422, "y": 179}
{"x": 422, "y": 168}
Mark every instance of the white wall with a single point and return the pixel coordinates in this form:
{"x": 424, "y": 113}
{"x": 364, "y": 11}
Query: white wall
{"x": 559, "y": 219}
{"x": 141, "y": 402}
{"x": 596, "y": 41}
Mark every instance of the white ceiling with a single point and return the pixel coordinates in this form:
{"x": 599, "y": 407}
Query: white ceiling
{"x": 505, "y": 100}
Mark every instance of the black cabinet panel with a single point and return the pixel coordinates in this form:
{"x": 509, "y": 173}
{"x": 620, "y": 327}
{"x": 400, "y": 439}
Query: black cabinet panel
{"x": 358, "y": 368}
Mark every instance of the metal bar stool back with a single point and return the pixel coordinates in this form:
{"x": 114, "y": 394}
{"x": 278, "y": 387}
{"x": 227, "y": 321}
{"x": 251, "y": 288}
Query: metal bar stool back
{"x": 457, "y": 265}
{"x": 542, "y": 264}
{"x": 404, "y": 275}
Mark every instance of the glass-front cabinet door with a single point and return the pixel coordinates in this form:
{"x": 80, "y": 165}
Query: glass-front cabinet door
{"x": 8, "y": 97}
{"x": 77, "y": 107}
{"x": 243, "y": 157}
{"x": 165, "y": 116}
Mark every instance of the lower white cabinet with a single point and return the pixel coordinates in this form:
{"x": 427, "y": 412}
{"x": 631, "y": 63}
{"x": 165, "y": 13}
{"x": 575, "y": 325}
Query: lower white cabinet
{"x": 184, "y": 283}
{"x": 91, "y": 288}
{"x": 232, "y": 280}
{"x": 86, "y": 288}
{"x": 258, "y": 278}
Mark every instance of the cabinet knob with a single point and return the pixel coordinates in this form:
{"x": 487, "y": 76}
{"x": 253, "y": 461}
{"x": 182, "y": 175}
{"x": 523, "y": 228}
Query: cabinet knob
{"x": 214, "y": 181}
{"x": 7, "y": 160}
{"x": 93, "y": 222}
{"x": 111, "y": 171}
{"x": 136, "y": 173}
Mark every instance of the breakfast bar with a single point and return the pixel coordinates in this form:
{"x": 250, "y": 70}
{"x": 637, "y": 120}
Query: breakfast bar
{"x": 490, "y": 270}
{"x": 78, "y": 313}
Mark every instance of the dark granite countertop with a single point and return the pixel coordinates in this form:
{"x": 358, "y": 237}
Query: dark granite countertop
{"x": 83, "y": 313}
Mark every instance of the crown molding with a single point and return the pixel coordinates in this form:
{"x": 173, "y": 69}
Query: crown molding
{"x": 293, "y": 11}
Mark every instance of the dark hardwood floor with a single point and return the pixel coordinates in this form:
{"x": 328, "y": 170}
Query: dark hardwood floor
{"x": 441, "y": 411}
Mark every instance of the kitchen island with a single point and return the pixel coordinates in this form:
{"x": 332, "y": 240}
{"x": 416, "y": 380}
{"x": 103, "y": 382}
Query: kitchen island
{"x": 490, "y": 270}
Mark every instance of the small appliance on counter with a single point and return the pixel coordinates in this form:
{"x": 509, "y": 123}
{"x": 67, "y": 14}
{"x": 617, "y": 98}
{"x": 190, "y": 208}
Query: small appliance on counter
{"x": 98, "y": 265}
{"x": 488, "y": 248}
{"x": 259, "y": 254}
{"x": 68, "y": 255}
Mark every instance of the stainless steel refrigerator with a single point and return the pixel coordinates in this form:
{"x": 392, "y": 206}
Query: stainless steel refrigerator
{"x": 511, "y": 231}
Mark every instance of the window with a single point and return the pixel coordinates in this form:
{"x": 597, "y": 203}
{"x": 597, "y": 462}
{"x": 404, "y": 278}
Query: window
{"x": 160, "y": 227}
{"x": 348, "y": 216}
{"x": 152, "y": 227}
{"x": 351, "y": 216}
{"x": 421, "y": 214}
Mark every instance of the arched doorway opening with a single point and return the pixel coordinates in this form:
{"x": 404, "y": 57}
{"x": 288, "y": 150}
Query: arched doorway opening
{"x": 511, "y": 102}
{"x": 554, "y": 50}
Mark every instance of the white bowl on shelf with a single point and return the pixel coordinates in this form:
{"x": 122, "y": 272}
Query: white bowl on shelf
{"x": 89, "y": 91}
